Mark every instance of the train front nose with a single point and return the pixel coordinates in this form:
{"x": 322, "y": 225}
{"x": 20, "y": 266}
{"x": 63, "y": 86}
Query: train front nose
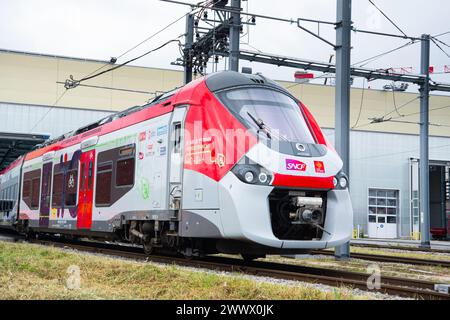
{"x": 299, "y": 206}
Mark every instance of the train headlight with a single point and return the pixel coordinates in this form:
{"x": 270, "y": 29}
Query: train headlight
{"x": 252, "y": 173}
{"x": 249, "y": 177}
{"x": 343, "y": 183}
{"x": 263, "y": 177}
{"x": 340, "y": 181}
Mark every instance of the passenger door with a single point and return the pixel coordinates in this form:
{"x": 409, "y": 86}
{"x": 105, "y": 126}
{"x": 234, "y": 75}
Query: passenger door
{"x": 176, "y": 157}
{"x": 86, "y": 191}
{"x": 44, "y": 211}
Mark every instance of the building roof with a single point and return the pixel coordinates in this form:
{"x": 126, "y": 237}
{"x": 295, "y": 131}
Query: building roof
{"x": 14, "y": 145}
{"x": 38, "y": 79}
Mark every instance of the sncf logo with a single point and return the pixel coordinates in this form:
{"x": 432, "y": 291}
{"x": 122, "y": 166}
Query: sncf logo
{"x": 294, "y": 165}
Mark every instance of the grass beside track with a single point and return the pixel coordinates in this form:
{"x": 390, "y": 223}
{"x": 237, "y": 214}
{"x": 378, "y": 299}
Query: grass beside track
{"x": 36, "y": 272}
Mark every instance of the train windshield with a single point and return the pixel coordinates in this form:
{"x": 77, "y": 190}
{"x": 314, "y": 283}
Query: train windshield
{"x": 269, "y": 111}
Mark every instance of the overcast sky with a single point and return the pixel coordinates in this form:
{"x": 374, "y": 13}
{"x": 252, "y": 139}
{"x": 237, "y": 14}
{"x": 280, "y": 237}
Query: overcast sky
{"x": 99, "y": 29}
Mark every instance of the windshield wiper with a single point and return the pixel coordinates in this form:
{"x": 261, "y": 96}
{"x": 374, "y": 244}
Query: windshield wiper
{"x": 264, "y": 127}
{"x": 261, "y": 125}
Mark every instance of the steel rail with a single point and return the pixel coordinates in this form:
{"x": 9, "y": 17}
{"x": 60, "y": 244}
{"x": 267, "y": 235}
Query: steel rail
{"x": 392, "y": 259}
{"x": 402, "y": 248}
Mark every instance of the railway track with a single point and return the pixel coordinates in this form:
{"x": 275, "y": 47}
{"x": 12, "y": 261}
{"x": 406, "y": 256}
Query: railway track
{"x": 392, "y": 259}
{"x": 402, "y": 248}
{"x": 407, "y": 288}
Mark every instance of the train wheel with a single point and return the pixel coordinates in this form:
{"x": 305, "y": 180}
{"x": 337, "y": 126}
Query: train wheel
{"x": 30, "y": 235}
{"x": 148, "y": 248}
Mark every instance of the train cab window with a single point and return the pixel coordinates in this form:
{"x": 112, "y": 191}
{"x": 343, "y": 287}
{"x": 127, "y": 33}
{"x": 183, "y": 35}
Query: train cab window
{"x": 103, "y": 187}
{"x": 274, "y": 110}
{"x": 35, "y": 193}
{"x": 125, "y": 172}
{"x": 71, "y": 187}
{"x": 57, "y": 192}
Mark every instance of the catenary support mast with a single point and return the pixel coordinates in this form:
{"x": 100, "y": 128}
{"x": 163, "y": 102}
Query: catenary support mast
{"x": 235, "y": 34}
{"x": 342, "y": 116}
{"x": 424, "y": 180}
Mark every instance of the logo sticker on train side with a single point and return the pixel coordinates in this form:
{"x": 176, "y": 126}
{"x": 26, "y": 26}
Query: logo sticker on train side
{"x": 319, "y": 166}
{"x": 162, "y": 131}
{"x": 294, "y": 165}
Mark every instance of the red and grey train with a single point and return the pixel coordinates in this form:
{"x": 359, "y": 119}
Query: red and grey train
{"x": 229, "y": 163}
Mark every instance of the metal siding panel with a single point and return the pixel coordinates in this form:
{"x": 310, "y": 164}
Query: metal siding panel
{"x": 381, "y": 160}
{"x": 22, "y": 118}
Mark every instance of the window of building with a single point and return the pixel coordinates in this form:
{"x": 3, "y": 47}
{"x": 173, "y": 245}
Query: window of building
{"x": 71, "y": 187}
{"x": 383, "y": 206}
{"x": 125, "y": 172}
{"x": 103, "y": 187}
{"x": 57, "y": 190}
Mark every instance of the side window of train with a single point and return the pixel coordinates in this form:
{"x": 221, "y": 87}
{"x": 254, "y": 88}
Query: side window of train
{"x": 115, "y": 174}
{"x": 32, "y": 188}
{"x": 71, "y": 187}
{"x": 103, "y": 188}
{"x": 35, "y": 192}
{"x": 125, "y": 172}
{"x": 26, "y": 192}
{"x": 57, "y": 191}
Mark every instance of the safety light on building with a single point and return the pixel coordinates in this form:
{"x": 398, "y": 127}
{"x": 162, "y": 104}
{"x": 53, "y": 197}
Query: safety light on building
{"x": 303, "y": 76}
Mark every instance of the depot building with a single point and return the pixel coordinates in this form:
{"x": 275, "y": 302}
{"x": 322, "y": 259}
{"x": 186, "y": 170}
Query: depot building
{"x": 384, "y": 168}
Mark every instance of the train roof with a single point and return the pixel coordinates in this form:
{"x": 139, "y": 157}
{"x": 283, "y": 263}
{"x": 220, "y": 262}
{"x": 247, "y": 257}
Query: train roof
{"x": 158, "y": 106}
{"x": 231, "y": 79}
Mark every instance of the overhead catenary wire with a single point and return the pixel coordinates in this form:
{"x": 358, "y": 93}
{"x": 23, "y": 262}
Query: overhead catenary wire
{"x": 49, "y": 110}
{"x": 440, "y": 48}
{"x": 72, "y": 83}
{"x": 361, "y": 104}
{"x": 389, "y": 19}
{"x": 441, "y": 34}
{"x": 139, "y": 44}
{"x": 417, "y": 113}
{"x": 394, "y": 100}
{"x": 440, "y": 41}
{"x": 365, "y": 62}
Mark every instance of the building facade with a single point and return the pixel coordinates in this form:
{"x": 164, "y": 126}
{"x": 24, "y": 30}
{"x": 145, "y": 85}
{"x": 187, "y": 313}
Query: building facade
{"x": 384, "y": 156}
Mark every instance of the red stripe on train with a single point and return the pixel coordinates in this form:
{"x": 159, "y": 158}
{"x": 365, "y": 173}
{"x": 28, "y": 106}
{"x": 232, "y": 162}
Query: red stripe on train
{"x": 282, "y": 180}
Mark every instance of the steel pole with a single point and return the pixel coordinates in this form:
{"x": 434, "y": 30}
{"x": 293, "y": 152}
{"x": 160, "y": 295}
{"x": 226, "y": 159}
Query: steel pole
{"x": 424, "y": 181}
{"x": 235, "y": 35}
{"x": 343, "y": 77}
{"x": 188, "y": 42}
